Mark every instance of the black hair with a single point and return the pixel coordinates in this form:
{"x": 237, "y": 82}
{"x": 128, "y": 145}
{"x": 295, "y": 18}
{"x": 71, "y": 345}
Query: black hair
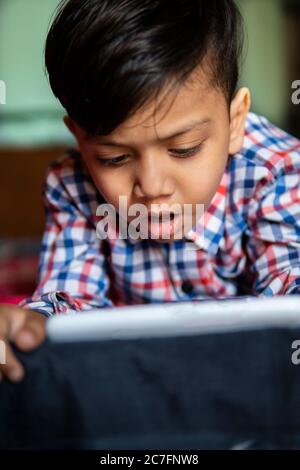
{"x": 107, "y": 58}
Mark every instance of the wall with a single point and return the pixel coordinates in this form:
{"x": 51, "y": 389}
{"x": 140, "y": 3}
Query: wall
{"x": 33, "y": 117}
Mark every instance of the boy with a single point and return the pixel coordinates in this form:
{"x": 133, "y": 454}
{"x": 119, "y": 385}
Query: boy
{"x": 150, "y": 93}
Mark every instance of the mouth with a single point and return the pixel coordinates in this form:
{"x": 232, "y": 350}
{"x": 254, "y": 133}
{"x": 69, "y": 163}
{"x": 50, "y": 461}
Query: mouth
{"x": 159, "y": 225}
{"x": 161, "y": 216}
{"x": 163, "y": 225}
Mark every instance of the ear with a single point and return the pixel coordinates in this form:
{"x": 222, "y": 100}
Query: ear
{"x": 239, "y": 109}
{"x": 70, "y": 125}
{"x": 74, "y": 129}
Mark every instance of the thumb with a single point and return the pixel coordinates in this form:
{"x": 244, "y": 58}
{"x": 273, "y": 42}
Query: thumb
{"x": 32, "y": 333}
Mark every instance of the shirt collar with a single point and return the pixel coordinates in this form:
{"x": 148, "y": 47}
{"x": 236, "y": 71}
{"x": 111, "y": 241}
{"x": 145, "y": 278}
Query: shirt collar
{"x": 208, "y": 233}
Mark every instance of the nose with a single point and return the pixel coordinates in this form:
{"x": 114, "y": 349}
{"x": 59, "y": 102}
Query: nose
{"x": 152, "y": 178}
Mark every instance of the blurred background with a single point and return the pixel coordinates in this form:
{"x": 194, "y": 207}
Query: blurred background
{"x": 32, "y": 133}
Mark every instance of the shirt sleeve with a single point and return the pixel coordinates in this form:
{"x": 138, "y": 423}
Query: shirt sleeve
{"x": 72, "y": 268}
{"x": 273, "y": 238}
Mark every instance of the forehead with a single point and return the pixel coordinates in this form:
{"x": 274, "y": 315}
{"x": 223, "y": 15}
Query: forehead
{"x": 170, "y": 105}
{"x": 190, "y": 105}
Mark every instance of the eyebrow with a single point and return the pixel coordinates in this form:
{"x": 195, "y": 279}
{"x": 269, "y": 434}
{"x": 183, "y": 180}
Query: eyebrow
{"x": 190, "y": 126}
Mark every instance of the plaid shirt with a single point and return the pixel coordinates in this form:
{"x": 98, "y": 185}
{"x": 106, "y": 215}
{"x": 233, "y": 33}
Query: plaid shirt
{"x": 251, "y": 242}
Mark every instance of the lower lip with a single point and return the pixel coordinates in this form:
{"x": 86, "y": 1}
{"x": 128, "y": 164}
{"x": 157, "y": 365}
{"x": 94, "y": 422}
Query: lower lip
{"x": 164, "y": 229}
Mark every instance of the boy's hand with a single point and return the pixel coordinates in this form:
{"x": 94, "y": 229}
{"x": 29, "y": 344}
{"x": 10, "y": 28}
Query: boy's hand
{"x": 26, "y": 329}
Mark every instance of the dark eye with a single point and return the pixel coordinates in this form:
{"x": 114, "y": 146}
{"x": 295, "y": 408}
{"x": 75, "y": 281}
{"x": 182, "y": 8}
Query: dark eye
{"x": 180, "y": 153}
{"x": 186, "y": 152}
{"x": 112, "y": 161}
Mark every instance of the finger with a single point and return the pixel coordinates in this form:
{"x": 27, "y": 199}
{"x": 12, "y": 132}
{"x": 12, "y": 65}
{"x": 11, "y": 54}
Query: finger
{"x": 11, "y": 320}
{"x": 12, "y": 369}
{"x": 32, "y": 333}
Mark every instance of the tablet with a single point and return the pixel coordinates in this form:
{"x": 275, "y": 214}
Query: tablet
{"x": 175, "y": 319}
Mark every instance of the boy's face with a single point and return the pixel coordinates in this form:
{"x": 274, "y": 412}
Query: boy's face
{"x": 176, "y": 155}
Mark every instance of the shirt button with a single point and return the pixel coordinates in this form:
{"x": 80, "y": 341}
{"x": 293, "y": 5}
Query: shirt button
{"x": 187, "y": 287}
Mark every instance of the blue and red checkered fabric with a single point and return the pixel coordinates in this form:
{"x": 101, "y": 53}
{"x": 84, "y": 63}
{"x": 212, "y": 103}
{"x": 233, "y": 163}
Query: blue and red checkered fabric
{"x": 251, "y": 236}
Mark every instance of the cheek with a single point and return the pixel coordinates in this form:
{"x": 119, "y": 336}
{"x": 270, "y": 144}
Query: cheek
{"x": 205, "y": 176}
{"x": 110, "y": 188}
{"x": 110, "y": 184}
